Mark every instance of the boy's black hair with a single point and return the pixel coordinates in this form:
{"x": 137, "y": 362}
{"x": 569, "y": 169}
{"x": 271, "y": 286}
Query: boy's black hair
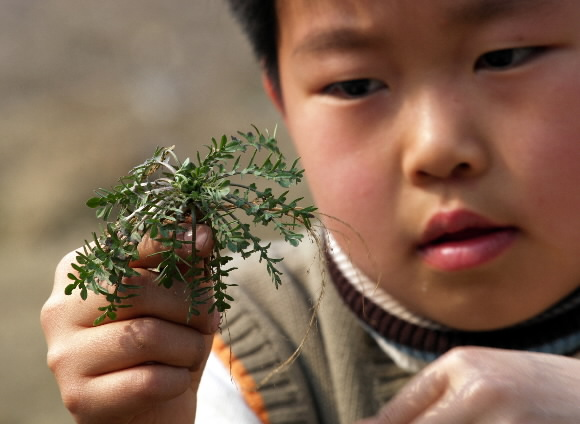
{"x": 259, "y": 22}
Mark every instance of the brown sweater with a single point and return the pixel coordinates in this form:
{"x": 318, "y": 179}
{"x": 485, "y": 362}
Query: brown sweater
{"x": 341, "y": 374}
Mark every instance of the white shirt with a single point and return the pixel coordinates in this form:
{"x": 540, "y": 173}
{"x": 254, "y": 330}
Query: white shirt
{"x": 219, "y": 400}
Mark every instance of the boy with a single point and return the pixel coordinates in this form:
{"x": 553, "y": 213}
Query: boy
{"x": 445, "y": 134}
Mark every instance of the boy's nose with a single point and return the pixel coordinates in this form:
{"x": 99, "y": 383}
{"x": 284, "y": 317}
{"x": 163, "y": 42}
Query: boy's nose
{"x": 441, "y": 142}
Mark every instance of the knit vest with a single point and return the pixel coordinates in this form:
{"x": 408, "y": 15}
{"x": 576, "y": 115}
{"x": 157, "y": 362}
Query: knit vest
{"x": 340, "y": 374}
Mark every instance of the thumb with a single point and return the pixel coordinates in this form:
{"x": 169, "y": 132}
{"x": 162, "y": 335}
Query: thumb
{"x": 148, "y": 247}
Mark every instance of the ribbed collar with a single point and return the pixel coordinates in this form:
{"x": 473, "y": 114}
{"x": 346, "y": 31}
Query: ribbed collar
{"x": 414, "y": 341}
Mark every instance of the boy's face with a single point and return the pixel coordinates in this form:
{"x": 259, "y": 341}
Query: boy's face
{"x": 446, "y": 133}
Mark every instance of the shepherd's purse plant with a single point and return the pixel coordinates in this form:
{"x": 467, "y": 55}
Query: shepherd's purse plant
{"x": 163, "y": 197}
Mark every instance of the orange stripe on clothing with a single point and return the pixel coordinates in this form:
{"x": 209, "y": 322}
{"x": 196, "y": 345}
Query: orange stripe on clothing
{"x": 242, "y": 377}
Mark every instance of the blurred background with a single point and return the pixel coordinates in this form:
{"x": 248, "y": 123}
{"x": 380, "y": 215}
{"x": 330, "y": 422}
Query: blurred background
{"x": 88, "y": 89}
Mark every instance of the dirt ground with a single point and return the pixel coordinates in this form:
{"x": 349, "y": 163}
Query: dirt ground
{"x": 87, "y": 90}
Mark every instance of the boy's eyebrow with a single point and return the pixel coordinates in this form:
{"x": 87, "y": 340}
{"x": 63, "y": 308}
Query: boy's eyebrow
{"x": 486, "y": 10}
{"x": 467, "y": 13}
{"x": 333, "y": 40}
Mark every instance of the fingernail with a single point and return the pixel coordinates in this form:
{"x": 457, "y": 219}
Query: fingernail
{"x": 200, "y": 238}
{"x": 188, "y": 235}
{"x": 216, "y": 322}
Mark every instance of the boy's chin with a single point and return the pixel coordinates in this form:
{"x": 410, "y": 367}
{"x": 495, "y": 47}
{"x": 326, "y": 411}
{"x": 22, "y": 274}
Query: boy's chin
{"x": 486, "y": 320}
{"x": 482, "y": 313}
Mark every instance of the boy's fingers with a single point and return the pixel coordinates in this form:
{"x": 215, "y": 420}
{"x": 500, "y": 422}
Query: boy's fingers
{"x": 484, "y": 385}
{"x": 150, "y": 357}
{"x": 170, "y": 304}
{"x": 149, "y": 248}
{"x": 413, "y": 400}
{"x": 126, "y": 393}
{"x": 129, "y": 344}
{"x": 151, "y": 300}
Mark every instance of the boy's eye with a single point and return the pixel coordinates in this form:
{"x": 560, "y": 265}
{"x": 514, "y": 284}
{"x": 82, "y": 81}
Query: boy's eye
{"x": 354, "y": 89}
{"x": 499, "y": 60}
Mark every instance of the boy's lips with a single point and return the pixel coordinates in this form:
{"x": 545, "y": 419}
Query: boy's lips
{"x": 460, "y": 239}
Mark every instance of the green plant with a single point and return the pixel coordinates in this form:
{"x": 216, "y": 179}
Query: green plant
{"x": 163, "y": 193}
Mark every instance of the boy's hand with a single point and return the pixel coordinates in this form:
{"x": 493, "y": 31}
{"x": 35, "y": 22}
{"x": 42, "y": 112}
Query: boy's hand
{"x": 489, "y": 386}
{"x": 145, "y": 366}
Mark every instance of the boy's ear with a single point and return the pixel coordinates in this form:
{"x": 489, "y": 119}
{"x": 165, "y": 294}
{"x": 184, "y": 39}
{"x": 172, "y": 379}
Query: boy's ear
{"x": 273, "y": 91}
